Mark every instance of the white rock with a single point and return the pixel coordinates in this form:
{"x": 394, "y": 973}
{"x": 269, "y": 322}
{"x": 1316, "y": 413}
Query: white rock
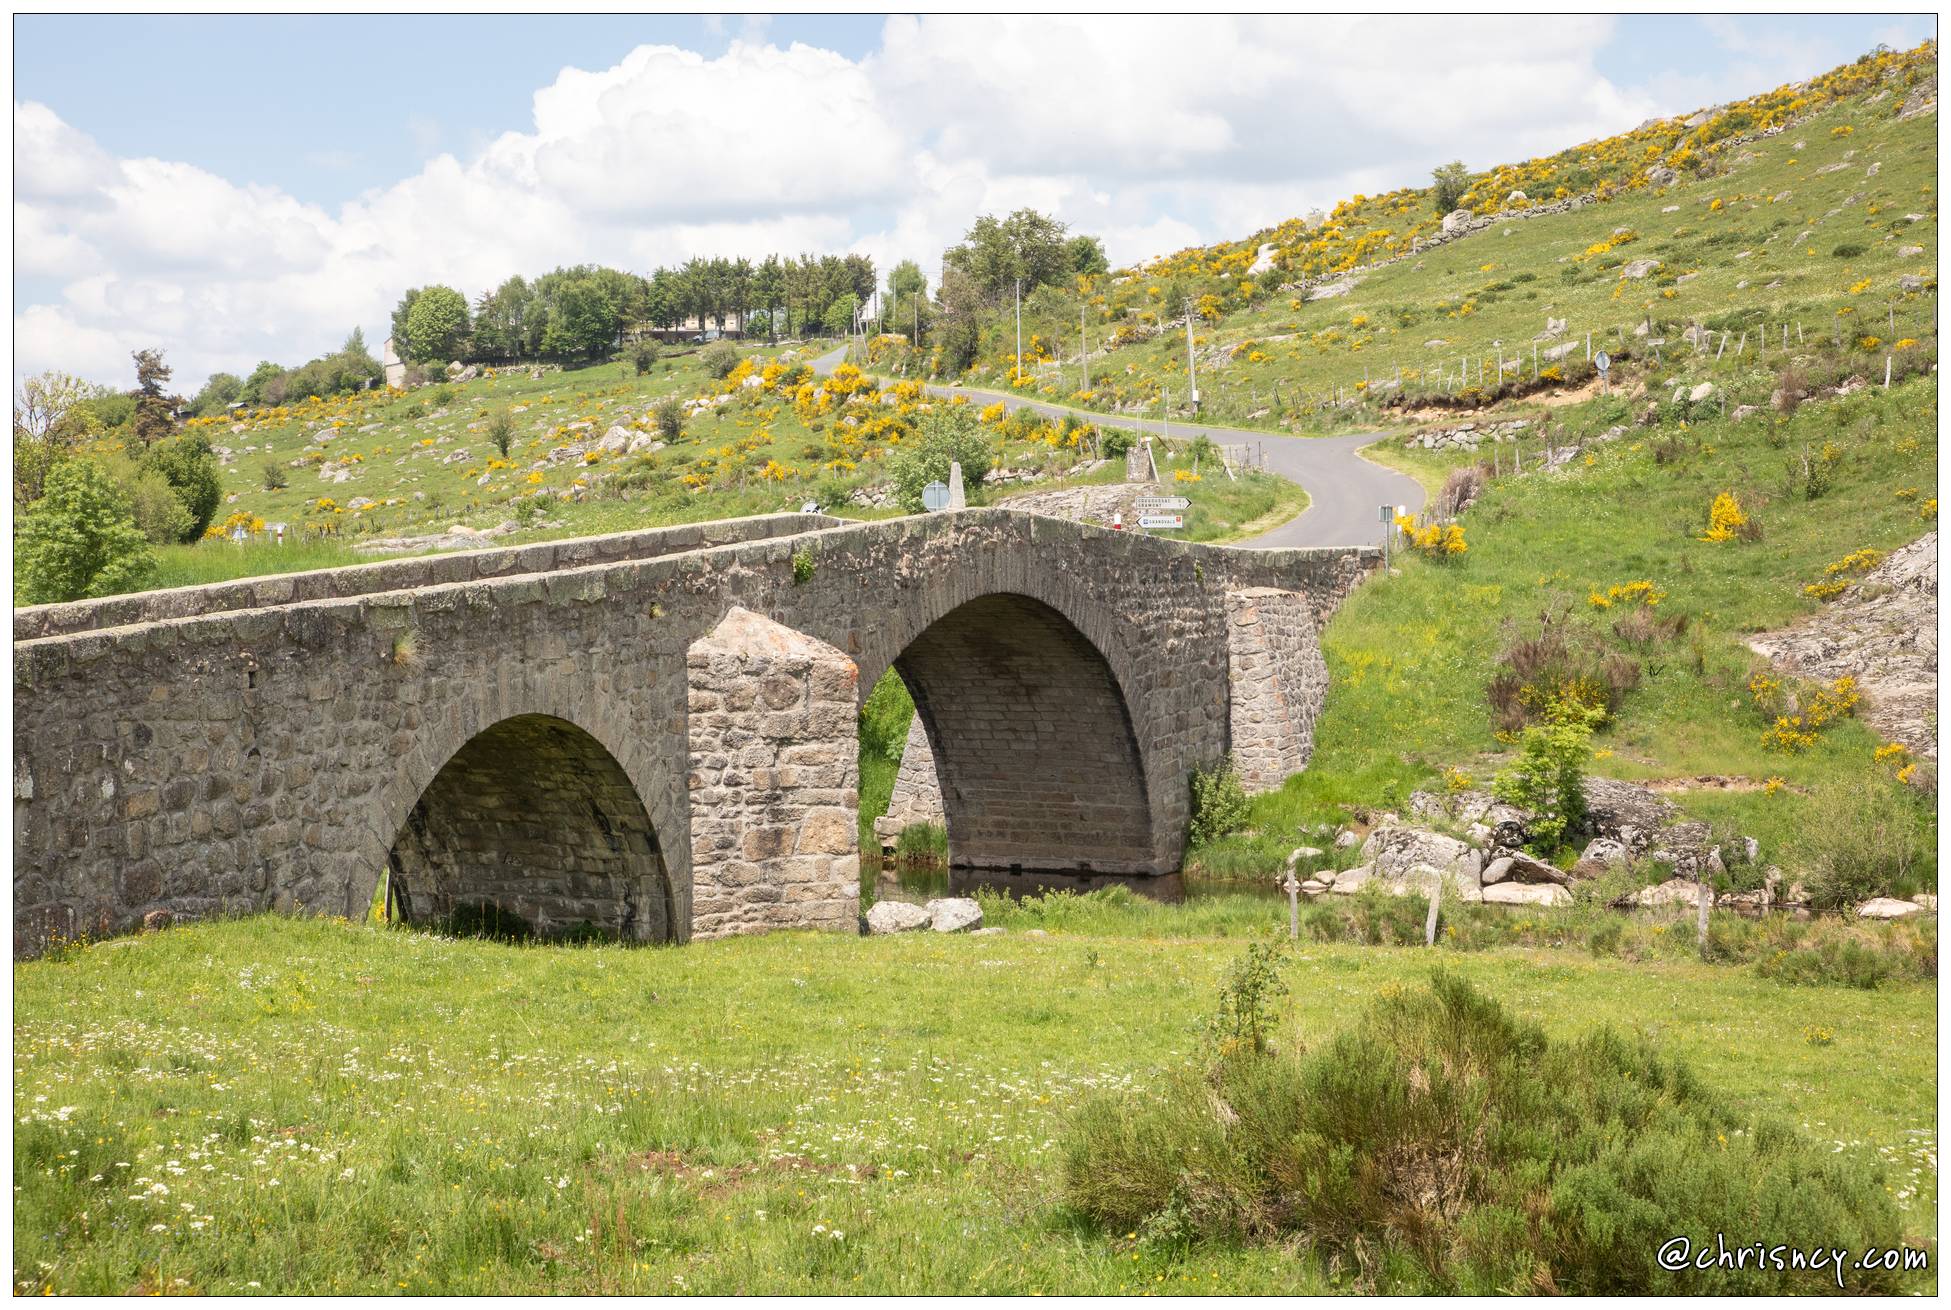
{"x": 1925, "y": 899}
{"x": 954, "y": 914}
{"x": 1526, "y": 893}
{"x": 1887, "y": 907}
{"x": 896, "y": 916}
{"x": 1674, "y": 891}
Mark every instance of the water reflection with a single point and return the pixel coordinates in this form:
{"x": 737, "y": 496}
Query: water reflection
{"x": 920, "y": 879}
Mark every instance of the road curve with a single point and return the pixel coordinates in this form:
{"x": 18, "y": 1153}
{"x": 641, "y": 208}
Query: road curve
{"x": 1345, "y": 490}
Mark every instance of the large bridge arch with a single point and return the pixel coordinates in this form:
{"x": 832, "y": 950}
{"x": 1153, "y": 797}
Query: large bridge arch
{"x": 534, "y": 822}
{"x": 566, "y": 777}
{"x": 1040, "y": 767}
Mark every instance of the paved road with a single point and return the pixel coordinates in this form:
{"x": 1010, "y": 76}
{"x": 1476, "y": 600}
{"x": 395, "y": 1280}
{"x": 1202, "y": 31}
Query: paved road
{"x": 1344, "y": 489}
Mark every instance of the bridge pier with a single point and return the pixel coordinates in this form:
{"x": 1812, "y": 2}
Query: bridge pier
{"x": 774, "y": 780}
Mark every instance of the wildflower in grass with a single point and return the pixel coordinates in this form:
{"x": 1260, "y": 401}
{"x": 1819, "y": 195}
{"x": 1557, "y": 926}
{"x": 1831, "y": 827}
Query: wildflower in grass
{"x": 1773, "y": 785}
{"x": 1928, "y": 510}
{"x": 1904, "y": 343}
{"x": 1906, "y": 493}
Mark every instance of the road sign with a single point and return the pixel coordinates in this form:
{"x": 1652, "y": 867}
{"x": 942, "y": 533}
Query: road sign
{"x": 1387, "y": 514}
{"x": 1602, "y": 361}
{"x": 1160, "y": 502}
{"x": 934, "y": 496}
{"x": 1161, "y": 520}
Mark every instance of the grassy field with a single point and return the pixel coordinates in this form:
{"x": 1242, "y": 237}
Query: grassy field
{"x": 309, "y": 1106}
{"x": 1808, "y": 229}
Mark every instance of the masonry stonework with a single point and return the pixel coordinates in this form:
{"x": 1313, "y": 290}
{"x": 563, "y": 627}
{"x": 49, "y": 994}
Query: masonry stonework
{"x": 1279, "y": 682}
{"x": 774, "y": 780}
{"x": 264, "y": 746}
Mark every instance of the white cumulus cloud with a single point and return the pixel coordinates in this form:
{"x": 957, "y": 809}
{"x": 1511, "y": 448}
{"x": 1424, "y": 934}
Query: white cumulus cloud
{"x": 1154, "y": 134}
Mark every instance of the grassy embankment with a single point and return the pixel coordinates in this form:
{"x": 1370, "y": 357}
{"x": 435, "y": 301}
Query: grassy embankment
{"x": 308, "y": 1106}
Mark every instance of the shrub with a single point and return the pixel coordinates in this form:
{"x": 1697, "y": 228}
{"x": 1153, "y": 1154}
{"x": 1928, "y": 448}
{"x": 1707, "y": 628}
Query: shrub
{"x": 1548, "y": 777}
{"x": 1451, "y": 181}
{"x": 1244, "y": 1019}
{"x": 190, "y": 467}
{"x": 949, "y": 434}
{"x": 643, "y": 355}
{"x": 442, "y": 395}
{"x": 719, "y": 359}
{"x": 1441, "y": 1145}
{"x": 1847, "y": 250}
{"x": 1462, "y": 487}
{"x": 1863, "y": 837}
{"x": 669, "y": 418}
{"x": 154, "y": 504}
{"x": 1219, "y": 804}
{"x": 501, "y": 431}
{"x": 275, "y": 478}
{"x": 79, "y": 539}
{"x": 1535, "y": 673}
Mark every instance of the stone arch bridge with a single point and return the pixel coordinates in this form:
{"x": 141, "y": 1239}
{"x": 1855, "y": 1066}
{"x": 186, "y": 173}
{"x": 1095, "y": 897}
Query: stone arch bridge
{"x": 650, "y": 735}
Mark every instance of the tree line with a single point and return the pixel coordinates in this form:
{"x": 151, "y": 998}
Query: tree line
{"x": 590, "y": 311}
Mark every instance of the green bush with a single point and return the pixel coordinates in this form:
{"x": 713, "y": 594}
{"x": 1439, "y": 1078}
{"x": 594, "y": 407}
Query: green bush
{"x": 79, "y": 539}
{"x": 501, "y": 431}
{"x": 154, "y": 504}
{"x": 1219, "y": 804}
{"x": 643, "y": 355}
{"x": 949, "y": 434}
{"x": 1862, "y": 838}
{"x": 1548, "y": 777}
{"x": 275, "y": 478}
{"x": 190, "y": 467}
{"x": 720, "y": 358}
{"x": 1441, "y": 1145}
{"x": 669, "y": 418}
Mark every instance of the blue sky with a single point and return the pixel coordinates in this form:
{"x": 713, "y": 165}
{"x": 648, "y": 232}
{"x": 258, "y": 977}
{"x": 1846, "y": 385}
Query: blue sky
{"x": 302, "y": 171}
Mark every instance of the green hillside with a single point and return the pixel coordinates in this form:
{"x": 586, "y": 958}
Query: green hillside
{"x": 1828, "y": 226}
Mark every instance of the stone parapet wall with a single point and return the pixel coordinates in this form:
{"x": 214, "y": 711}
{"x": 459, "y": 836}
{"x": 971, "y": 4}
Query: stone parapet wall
{"x": 35, "y": 621}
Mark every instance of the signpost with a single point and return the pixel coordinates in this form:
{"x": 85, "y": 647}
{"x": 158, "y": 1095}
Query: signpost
{"x": 1161, "y": 520}
{"x": 1388, "y": 517}
{"x": 1602, "y": 362}
{"x": 1143, "y": 503}
{"x": 934, "y": 496}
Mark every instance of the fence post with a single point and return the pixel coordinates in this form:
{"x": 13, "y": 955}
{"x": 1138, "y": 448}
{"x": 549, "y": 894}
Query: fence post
{"x": 1435, "y": 902}
{"x": 1704, "y": 900}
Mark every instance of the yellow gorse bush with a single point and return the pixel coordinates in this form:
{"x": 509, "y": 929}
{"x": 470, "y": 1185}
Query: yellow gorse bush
{"x": 1724, "y": 518}
{"x": 1436, "y": 540}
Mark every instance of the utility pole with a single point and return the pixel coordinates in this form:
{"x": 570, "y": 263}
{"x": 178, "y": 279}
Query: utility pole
{"x": 1192, "y": 379}
{"x": 1019, "y": 333}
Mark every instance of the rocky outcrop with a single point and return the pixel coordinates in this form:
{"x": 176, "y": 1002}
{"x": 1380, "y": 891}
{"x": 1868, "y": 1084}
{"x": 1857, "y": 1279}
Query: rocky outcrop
{"x": 1882, "y": 631}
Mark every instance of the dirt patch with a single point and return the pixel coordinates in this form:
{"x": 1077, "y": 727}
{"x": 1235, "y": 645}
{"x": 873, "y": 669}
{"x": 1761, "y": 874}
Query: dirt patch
{"x": 1708, "y": 782}
{"x": 1554, "y": 399}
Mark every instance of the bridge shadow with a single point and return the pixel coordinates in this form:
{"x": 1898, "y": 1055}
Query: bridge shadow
{"x": 1041, "y": 775}
{"x": 532, "y": 829}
